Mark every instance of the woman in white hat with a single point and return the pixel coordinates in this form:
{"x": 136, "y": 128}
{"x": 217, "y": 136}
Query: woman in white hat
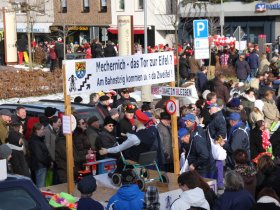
{"x": 257, "y": 113}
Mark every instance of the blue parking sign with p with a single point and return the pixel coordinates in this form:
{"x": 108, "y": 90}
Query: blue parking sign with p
{"x": 200, "y": 29}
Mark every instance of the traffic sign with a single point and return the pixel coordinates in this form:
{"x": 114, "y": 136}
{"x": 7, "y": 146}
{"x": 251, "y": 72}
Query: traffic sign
{"x": 170, "y": 107}
{"x": 200, "y": 29}
{"x": 104, "y": 38}
{"x": 201, "y": 42}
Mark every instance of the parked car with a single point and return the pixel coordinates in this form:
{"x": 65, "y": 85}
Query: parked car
{"x": 36, "y": 109}
{"x": 75, "y": 56}
{"x": 19, "y": 193}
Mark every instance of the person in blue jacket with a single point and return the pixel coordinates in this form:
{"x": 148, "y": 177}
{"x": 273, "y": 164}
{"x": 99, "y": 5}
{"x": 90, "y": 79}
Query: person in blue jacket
{"x": 201, "y": 79}
{"x": 129, "y": 196}
{"x": 253, "y": 61}
{"x": 238, "y": 138}
{"x": 217, "y": 128}
{"x": 200, "y": 156}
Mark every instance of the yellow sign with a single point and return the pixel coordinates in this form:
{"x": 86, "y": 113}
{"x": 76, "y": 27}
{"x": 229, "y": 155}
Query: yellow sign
{"x": 78, "y": 28}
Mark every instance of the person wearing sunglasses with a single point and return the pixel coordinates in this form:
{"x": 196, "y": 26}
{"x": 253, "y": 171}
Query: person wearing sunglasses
{"x": 107, "y": 138}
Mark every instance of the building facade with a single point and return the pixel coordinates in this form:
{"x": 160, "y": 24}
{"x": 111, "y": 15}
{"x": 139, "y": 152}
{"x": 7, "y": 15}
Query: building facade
{"x": 41, "y": 16}
{"x": 255, "y": 18}
{"x": 82, "y": 20}
{"x": 159, "y": 18}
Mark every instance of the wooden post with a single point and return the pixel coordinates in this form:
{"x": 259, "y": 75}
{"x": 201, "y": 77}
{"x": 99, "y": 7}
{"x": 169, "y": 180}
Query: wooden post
{"x": 69, "y": 142}
{"x": 174, "y": 132}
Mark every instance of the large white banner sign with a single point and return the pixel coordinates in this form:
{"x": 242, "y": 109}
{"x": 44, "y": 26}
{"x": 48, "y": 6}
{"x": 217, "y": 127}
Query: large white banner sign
{"x": 93, "y": 75}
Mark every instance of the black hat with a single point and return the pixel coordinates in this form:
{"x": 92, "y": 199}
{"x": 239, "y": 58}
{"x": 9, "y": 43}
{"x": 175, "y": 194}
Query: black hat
{"x": 129, "y": 176}
{"x": 92, "y": 120}
{"x": 125, "y": 90}
{"x": 165, "y": 116}
{"x": 87, "y": 185}
{"x": 104, "y": 98}
{"x": 5, "y": 112}
{"x": 50, "y": 111}
{"x": 146, "y": 106}
{"x": 109, "y": 120}
{"x": 78, "y": 99}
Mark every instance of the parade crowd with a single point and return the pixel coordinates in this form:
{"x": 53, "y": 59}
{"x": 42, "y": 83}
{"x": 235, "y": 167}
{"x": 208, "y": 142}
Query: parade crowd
{"x": 230, "y": 134}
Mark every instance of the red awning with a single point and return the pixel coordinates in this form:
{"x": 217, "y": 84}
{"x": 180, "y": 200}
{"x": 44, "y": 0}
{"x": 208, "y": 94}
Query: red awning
{"x": 135, "y": 30}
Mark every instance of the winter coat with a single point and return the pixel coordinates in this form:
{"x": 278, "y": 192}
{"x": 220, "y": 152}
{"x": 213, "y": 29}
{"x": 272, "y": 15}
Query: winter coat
{"x": 50, "y": 140}
{"x": 2, "y": 49}
{"x": 4, "y": 131}
{"x": 192, "y": 197}
{"x": 53, "y": 55}
{"x": 238, "y": 139}
{"x": 92, "y": 134}
{"x": 59, "y": 50}
{"x": 233, "y": 200}
{"x": 217, "y": 126}
{"x": 81, "y": 146}
{"x": 254, "y": 117}
{"x": 40, "y": 156}
{"x": 89, "y": 204}
{"x": 221, "y": 90}
{"x": 22, "y": 44}
{"x": 110, "y": 51}
{"x": 184, "y": 69}
{"x": 253, "y": 60}
{"x": 124, "y": 127}
{"x": 200, "y": 155}
{"x": 96, "y": 50}
{"x": 248, "y": 103}
{"x": 269, "y": 178}
{"x": 201, "y": 80}
{"x": 128, "y": 197}
{"x": 106, "y": 140}
{"x": 60, "y": 159}
{"x": 256, "y": 142}
{"x": 206, "y": 116}
{"x": 270, "y": 111}
{"x": 149, "y": 141}
{"x": 166, "y": 141}
{"x": 249, "y": 177}
{"x": 274, "y": 140}
{"x": 267, "y": 203}
{"x": 264, "y": 66}
{"x": 242, "y": 69}
{"x": 18, "y": 161}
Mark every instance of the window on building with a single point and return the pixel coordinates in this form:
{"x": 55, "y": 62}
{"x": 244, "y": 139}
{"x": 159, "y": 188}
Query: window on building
{"x": 140, "y": 4}
{"x": 63, "y": 4}
{"x": 41, "y": 6}
{"x": 103, "y": 5}
{"x": 121, "y": 5}
{"x": 85, "y": 5}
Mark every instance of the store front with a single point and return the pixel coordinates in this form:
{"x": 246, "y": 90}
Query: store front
{"x": 252, "y": 26}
